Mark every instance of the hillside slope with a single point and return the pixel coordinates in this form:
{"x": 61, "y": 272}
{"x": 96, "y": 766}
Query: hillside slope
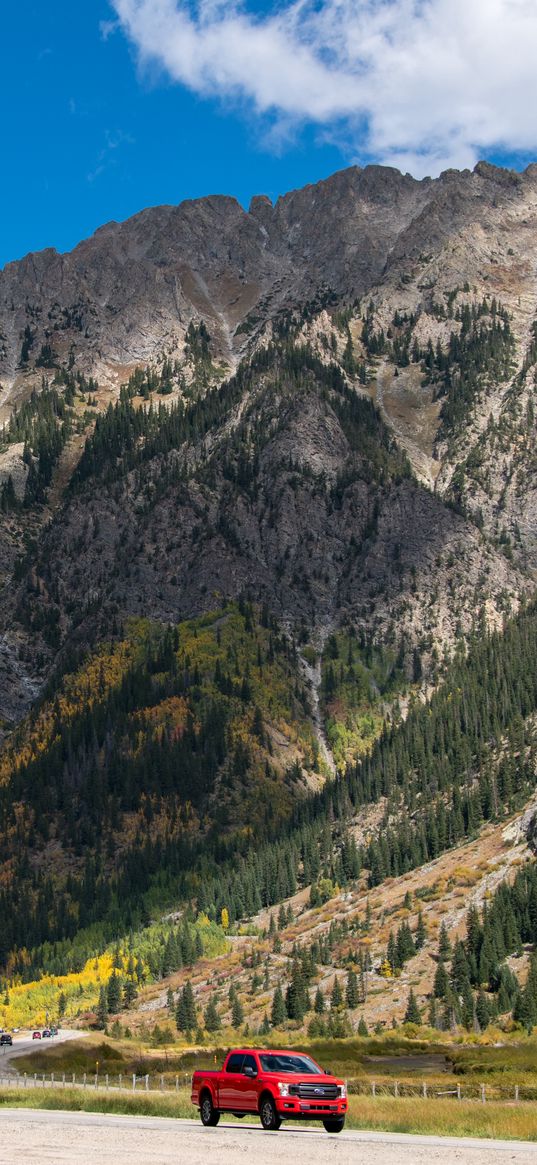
{"x": 267, "y": 551}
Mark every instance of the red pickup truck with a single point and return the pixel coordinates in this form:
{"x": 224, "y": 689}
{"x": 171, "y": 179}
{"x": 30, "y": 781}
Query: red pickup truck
{"x": 276, "y": 1085}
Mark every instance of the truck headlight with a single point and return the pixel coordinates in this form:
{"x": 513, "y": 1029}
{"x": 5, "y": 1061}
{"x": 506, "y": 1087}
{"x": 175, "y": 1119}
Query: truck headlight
{"x": 343, "y": 1091}
{"x": 283, "y": 1089}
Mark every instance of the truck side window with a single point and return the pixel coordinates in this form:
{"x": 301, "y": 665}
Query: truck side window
{"x": 234, "y": 1063}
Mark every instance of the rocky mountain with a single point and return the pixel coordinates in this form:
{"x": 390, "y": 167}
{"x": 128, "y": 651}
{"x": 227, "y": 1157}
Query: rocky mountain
{"x": 126, "y": 295}
{"x": 419, "y": 297}
{"x": 267, "y": 556}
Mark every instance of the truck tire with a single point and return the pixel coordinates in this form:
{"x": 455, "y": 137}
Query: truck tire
{"x": 335, "y": 1125}
{"x": 268, "y": 1114}
{"x": 208, "y": 1113}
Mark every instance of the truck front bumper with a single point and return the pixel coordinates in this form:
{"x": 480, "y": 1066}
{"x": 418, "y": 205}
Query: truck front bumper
{"x": 293, "y": 1107}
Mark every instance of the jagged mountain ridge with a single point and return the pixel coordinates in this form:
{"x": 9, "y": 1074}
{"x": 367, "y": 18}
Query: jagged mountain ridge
{"x": 127, "y": 294}
{"x": 417, "y": 576}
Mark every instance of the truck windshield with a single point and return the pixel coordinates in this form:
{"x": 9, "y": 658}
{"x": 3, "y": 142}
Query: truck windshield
{"x": 273, "y": 1062}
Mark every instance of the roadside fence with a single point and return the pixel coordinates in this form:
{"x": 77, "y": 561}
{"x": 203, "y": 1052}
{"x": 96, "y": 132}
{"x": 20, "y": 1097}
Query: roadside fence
{"x": 166, "y": 1083}
{"x": 124, "y": 1082}
{"x": 470, "y": 1090}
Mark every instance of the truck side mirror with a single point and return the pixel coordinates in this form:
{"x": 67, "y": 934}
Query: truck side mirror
{"x": 249, "y": 1071}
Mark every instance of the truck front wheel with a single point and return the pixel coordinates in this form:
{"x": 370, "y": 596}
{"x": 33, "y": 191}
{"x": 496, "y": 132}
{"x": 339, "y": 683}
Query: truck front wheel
{"x": 268, "y": 1114}
{"x": 208, "y": 1113}
{"x": 335, "y": 1125}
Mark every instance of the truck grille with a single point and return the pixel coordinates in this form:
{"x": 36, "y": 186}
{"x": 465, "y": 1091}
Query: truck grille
{"x": 314, "y": 1091}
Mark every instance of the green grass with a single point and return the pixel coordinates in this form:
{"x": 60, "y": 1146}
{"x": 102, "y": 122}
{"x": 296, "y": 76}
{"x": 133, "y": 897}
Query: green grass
{"x": 447, "y": 1118}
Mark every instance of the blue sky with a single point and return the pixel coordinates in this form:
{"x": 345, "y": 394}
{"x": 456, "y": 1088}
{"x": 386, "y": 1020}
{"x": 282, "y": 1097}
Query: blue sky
{"x": 112, "y": 106}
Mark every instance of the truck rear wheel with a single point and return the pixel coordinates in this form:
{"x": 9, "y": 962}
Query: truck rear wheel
{"x": 268, "y": 1114}
{"x": 335, "y": 1125}
{"x": 208, "y": 1113}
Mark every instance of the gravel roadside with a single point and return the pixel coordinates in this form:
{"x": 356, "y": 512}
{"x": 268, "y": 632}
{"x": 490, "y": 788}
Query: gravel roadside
{"x": 29, "y": 1137}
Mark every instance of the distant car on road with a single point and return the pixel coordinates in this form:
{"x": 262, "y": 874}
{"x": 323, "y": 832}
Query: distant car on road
{"x": 5, "y": 1038}
{"x": 46, "y": 1033}
{"x": 54, "y": 1031}
{"x": 36, "y": 1036}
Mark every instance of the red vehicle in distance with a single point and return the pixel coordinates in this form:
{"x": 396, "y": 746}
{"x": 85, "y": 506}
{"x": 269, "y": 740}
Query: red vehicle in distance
{"x": 275, "y": 1085}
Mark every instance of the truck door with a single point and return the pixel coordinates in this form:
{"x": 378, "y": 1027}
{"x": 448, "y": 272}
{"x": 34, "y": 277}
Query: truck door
{"x": 230, "y": 1094}
{"x": 250, "y": 1087}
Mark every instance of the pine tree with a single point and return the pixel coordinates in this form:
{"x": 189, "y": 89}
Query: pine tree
{"x": 296, "y": 999}
{"x": 421, "y": 932}
{"x": 351, "y": 991}
{"x": 185, "y": 1015}
{"x": 482, "y": 1011}
{"x": 336, "y": 998}
{"x": 404, "y": 944}
{"x": 412, "y": 1013}
{"x": 211, "y": 1017}
{"x": 525, "y": 1010}
{"x": 362, "y": 1027}
{"x": 278, "y": 1013}
{"x": 113, "y": 994}
{"x": 441, "y": 982}
{"x": 444, "y": 945}
{"x": 468, "y": 1006}
{"x": 318, "y": 1005}
{"x": 391, "y": 953}
{"x": 460, "y": 970}
{"x": 130, "y": 994}
{"x": 237, "y": 1013}
{"x": 433, "y": 1013}
{"x": 102, "y": 1008}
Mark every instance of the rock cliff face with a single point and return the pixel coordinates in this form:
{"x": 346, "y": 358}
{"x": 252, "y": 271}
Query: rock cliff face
{"x": 420, "y": 296}
{"x": 127, "y": 294}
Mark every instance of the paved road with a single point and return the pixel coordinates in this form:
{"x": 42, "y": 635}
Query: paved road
{"x": 23, "y": 1044}
{"x": 29, "y": 1137}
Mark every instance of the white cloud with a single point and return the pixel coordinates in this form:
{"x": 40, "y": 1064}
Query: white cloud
{"x": 420, "y": 84}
